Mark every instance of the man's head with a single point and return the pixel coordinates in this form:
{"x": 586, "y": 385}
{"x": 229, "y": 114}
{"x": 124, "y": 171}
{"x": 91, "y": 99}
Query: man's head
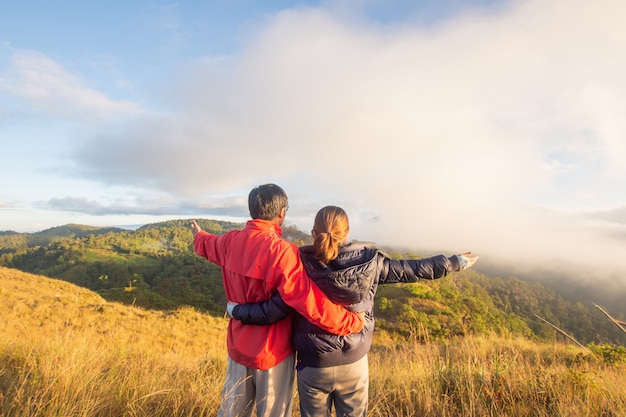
{"x": 268, "y": 202}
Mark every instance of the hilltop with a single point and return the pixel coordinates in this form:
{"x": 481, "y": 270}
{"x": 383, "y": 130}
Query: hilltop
{"x": 65, "y": 350}
{"x": 55, "y": 309}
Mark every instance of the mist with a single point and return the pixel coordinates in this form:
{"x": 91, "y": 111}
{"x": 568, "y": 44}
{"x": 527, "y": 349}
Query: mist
{"x": 499, "y": 131}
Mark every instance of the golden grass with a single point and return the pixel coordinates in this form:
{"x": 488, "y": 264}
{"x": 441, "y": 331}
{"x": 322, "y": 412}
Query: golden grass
{"x": 64, "y": 351}
{"x": 491, "y": 376}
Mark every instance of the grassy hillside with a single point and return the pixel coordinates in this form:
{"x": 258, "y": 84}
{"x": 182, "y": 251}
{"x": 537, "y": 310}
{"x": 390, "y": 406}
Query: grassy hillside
{"x": 65, "y": 351}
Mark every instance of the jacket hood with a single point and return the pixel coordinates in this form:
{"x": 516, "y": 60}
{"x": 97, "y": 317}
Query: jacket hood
{"x": 348, "y": 278}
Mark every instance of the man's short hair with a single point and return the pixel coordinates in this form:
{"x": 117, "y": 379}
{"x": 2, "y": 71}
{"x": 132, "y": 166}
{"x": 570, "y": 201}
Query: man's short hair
{"x": 266, "y": 201}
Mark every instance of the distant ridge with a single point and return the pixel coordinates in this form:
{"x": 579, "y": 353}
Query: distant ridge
{"x": 76, "y": 230}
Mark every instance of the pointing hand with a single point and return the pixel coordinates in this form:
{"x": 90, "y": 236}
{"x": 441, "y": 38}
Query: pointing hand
{"x": 195, "y": 228}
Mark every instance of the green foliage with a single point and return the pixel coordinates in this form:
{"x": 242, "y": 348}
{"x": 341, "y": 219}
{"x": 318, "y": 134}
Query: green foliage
{"x": 152, "y": 267}
{"x": 614, "y": 355}
{"x": 529, "y": 300}
{"x": 451, "y": 306}
{"x": 155, "y": 267}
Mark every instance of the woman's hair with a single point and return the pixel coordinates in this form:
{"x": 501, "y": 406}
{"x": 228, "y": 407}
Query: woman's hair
{"x": 266, "y": 201}
{"x": 330, "y": 231}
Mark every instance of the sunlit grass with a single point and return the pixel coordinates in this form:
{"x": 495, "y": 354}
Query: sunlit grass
{"x": 64, "y": 351}
{"x": 491, "y": 376}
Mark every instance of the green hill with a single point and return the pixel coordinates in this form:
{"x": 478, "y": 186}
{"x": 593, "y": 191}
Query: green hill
{"x": 155, "y": 267}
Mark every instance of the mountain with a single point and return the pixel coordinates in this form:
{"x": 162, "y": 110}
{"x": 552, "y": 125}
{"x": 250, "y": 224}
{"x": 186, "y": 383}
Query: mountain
{"x": 155, "y": 267}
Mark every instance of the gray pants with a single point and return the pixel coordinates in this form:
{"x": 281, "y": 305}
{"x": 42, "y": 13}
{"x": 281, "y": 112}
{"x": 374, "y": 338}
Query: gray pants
{"x": 271, "y": 391}
{"x": 345, "y": 386}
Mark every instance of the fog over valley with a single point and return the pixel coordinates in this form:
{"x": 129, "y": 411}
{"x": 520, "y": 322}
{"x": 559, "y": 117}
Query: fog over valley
{"x": 496, "y": 127}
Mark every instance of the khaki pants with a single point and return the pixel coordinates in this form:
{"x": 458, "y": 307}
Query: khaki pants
{"x": 271, "y": 391}
{"x": 345, "y": 386}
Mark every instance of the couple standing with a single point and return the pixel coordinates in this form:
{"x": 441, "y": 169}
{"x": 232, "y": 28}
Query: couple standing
{"x": 317, "y": 300}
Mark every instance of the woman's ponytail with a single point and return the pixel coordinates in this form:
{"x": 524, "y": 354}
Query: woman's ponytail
{"x": 330, "y": 231}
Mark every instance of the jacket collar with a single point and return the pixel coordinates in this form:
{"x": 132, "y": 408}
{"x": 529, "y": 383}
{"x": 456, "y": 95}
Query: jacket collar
{"x": 266, "y": 226}
{"x": 352, "y": 246}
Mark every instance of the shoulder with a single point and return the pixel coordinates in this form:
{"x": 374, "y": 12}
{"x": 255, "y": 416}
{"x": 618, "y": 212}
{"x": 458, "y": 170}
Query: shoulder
{"x": 307, "y": 250}
{"x": 366, "y": 250}
{"x": 359, "y": 245}
{"x": 280, "y": 246}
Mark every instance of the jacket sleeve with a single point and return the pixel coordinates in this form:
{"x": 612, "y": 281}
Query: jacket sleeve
{"x": 207, "y": 245}
{"x": 264, "y": 312}
{"x": 300, "y": 293}
{"x": 412, "y": 270}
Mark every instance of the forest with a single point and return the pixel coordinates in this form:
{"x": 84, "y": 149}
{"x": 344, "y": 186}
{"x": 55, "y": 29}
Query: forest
{"x": 154, "y": 267}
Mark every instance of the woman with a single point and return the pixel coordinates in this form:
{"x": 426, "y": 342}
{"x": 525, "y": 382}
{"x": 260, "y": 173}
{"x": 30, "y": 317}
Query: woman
{"x": 333, "y": 369}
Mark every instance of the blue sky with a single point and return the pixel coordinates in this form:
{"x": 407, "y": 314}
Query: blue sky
{"x": 492, "y": 126}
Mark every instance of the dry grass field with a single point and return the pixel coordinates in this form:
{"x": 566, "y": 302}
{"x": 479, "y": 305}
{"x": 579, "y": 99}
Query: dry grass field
{"x": 64, "y": 351}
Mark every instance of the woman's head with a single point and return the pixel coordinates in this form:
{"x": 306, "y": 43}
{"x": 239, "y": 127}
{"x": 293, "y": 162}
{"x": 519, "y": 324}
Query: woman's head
{"x": 330, "y": 230}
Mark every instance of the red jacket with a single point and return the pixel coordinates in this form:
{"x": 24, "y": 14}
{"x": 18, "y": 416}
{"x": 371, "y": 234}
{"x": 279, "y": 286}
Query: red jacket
{"x": 256, "y": 262}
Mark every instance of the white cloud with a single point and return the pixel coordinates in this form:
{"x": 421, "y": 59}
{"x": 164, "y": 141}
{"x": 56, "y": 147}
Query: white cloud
{"x": 149, "y": 206}
{"x": 47, "y": 86}
{"x": 491, "y": 132}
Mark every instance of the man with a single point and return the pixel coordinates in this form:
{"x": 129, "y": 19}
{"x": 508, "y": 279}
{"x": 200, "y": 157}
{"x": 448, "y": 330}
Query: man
{"x": 256, "y": 263}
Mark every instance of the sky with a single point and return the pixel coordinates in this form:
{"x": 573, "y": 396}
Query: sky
{"x": 494, "y": 126}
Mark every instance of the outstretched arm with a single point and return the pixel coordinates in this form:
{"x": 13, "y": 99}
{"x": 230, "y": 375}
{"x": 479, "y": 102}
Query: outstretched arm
{"x": 264, "y": 312}
{"x": 412, "y": 270}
